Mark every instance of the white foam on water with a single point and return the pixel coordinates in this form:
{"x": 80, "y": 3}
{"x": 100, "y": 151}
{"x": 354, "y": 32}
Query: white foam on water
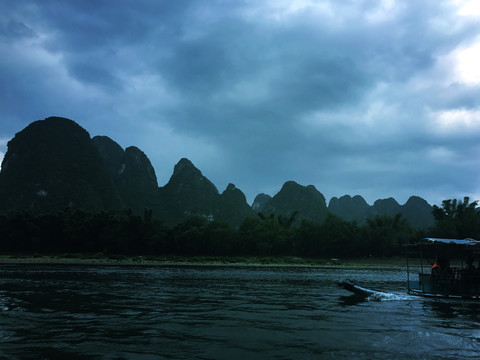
{"x": 383, "y": 296}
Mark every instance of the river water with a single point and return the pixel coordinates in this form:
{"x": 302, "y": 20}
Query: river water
{"x": 211, "y": 312}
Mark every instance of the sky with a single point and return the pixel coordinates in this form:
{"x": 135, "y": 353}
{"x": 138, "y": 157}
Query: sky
{"x": 378, "y": 98}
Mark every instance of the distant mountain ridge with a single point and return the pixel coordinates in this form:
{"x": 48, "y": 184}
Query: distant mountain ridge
{"x": 416, "y": 210}
{"x": 53, "y": 164}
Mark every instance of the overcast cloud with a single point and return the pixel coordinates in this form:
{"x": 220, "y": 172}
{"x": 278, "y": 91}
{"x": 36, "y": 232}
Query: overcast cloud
{"x": 376, "y": 98}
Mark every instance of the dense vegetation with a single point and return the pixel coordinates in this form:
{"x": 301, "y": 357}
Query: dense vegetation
{"x": 457, "y": 219}
{"x": 130, "y": 234}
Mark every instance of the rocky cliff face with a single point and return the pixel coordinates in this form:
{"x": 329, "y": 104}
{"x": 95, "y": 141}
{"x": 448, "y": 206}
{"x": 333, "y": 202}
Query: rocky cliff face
{"x": 111, "y": 153}
{"x": 137, "y": 171}
{"x": 307, "y": 200}
{"x": 233, "y": 207}
{"x": 131, "y": 171}
{"x": 187, "y": 193}
{"x": 260, "y": 202}
{"x": 52, "y": 164}
{"x": 137, "y": 181}
{"x": 126, "y": 166}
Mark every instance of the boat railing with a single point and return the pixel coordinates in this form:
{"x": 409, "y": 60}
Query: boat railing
{"x": 458, "y": 282}
{"x": 450, "y": 276}
{"x": 469, "y": 283}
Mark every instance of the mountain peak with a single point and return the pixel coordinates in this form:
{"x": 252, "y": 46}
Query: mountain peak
{"x": 187, "y": 176}
{"x": 416, "y": 200}
{"x": 307, "y": 200}
{"x": 183, "y": 164}
{"x": 260, "y": 202}
{"x": 111, "y": 154}
{"x": 230, "y": 188}
{"x": 53, "y": 164}
{"x": 350, "y": 208}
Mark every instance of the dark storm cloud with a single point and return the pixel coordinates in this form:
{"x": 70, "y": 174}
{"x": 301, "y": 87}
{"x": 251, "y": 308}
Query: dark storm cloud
{"x": 13, "y": 30}
{"x": 353, "y": 97}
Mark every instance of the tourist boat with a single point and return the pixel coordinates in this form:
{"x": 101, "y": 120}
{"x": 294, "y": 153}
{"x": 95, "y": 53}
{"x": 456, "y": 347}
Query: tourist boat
{"x": 454, "y": 280}
{"x": 451, "y": 281}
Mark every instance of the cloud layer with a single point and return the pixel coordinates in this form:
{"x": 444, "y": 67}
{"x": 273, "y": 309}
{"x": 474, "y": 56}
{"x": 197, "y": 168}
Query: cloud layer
{"x": 377, "y": 98}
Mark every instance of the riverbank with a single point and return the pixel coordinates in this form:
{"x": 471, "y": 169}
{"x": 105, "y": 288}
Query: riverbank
{"x": 119, "y": 260}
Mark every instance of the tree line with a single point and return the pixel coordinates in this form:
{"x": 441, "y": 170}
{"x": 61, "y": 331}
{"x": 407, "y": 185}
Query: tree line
{"x": 127, "y": 233}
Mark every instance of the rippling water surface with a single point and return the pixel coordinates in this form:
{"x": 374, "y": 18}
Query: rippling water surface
{"x": 79, "y": 312}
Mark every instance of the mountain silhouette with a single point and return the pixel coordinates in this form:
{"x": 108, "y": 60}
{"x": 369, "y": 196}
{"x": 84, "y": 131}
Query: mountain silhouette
{"x": 53, "y": 164}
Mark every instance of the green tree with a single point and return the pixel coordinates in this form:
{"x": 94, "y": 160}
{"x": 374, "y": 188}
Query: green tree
{"x": 307, "y": 239}
{"x": 457, "y": 219}
{"x": 384, "y": 235}
{"x": 220, "y": 239}
{"x": 333, "y": 237}
{"x": 188, "y": 238}
{"x": 267, "y": 235}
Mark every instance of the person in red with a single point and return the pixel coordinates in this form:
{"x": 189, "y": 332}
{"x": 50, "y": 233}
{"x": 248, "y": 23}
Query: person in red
{"x": 435, "y": 267}
{"x": 441, "y": 266}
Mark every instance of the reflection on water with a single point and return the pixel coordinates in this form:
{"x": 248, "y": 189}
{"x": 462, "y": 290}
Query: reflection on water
{"x": 448, "y": 309}
{"x": 60, "y": 312}
{"x": 353, "y": 299}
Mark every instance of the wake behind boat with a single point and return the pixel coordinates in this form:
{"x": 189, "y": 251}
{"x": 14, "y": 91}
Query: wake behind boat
{"x": 371, "y": 294}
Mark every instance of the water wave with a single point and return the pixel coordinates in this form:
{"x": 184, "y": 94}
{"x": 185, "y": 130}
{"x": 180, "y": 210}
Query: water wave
{"x": 224, "y": 312}
{"x": 385, "y": 296}
{"x": 372, "y": 295}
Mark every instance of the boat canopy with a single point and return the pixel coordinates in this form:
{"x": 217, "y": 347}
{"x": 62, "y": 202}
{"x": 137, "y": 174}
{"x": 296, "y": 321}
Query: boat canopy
{"x": 468, "y": 241}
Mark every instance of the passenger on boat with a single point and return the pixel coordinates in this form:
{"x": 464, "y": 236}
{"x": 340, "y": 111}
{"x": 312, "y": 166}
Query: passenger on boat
{"x": 469, "y": 278}
{"x": 469, "y": 267}
{"x": 441, "y": 266}
{"x": 442, "y": 275}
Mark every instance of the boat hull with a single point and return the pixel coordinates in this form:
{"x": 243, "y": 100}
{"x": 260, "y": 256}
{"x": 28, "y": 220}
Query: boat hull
{"x": 442, "y": 296}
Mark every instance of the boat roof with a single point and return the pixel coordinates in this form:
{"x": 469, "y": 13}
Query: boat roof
{"x": 468, "y": 241}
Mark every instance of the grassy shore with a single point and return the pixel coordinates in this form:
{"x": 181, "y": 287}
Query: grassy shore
{"x": 100, "y": 259}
